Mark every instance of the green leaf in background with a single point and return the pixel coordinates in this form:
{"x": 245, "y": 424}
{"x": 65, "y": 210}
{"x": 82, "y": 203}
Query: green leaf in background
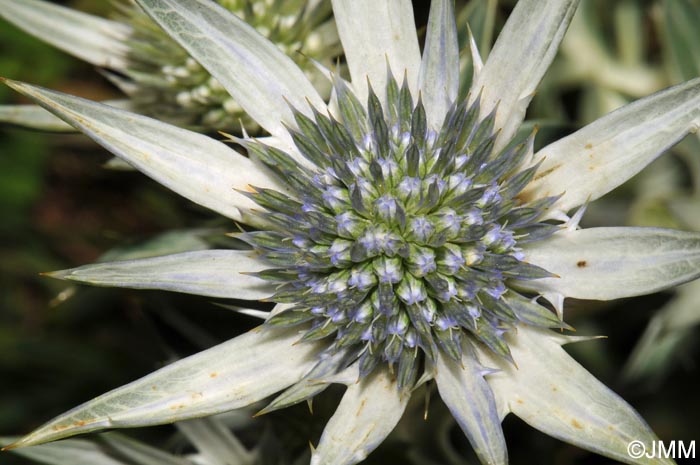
{"x": 480, "y": 15}
{"x": 682, "y": 36}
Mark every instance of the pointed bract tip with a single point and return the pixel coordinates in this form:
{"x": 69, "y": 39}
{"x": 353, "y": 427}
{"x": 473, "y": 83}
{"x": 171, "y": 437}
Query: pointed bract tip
{"x": 59, "y": 274}
{"x": 565, "y": 339}
{"x": 486, "y": 371}
{"x": 14, "y": 445}
{"x": 231, "y": 137}
{"x": 262, "y": 412}
{"x": 310, "y": 104}
{"x": 19, "y": 86}
{"x": 243, "y": 131}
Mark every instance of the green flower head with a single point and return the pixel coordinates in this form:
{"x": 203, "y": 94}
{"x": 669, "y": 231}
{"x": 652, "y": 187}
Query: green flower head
{"x": 159, "y": 77}
{"x": 404, "y": 234}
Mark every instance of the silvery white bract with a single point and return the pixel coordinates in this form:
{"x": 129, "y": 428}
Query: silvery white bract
{"x": 213, "y": 440}
{"x": 403, "y": 233}
{"x": 159, "y": 78}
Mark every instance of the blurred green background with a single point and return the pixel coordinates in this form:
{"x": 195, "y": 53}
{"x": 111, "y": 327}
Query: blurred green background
{"x": 61, "y": 208}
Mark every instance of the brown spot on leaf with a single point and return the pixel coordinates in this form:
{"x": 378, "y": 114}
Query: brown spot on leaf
{"x": 362, "y": 406}
{"x": 546, "y": 172}
{"x": 213, "y": 375}
{"x": 589, "y": 146}
{"x": 582, "y": 264}
{"x": 79, "y": 423}
{"x": 520, "y": 401}
{"x": 576, "y": 424}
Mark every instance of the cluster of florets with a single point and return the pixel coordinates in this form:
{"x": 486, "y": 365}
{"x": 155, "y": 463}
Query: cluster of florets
{"x": 404, "y": 240}
{"x": 165, "y": 82}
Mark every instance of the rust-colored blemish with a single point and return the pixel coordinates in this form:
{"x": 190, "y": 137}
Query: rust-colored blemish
{"x": 589, "y": 146}
{"x": 554, "y": 389}
{"x": 213, "y": 375}
{"x": 582, "y": 264}
{"x": 362, "y": 406}
{"x": 520, "y": 401}
{"x": 154, "y": 388}
{"x": 576, "y": 424}
{"x": 546, "y": 172}
{"x": 79, "y": 423}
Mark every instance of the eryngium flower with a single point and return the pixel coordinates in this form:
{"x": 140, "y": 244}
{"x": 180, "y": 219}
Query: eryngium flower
{"x": 158, "y": 76}
{"x": 404, "y": 235}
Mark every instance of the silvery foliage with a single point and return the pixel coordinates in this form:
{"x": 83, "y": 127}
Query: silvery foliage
{"x": 402, "y": 232}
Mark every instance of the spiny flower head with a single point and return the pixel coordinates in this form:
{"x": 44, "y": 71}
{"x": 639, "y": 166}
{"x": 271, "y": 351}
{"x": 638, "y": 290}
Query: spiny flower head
{"x": 402, "y": 242}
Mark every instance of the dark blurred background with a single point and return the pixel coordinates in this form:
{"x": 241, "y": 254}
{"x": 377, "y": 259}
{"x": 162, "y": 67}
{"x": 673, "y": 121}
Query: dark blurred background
{"x": 59, "y": 346}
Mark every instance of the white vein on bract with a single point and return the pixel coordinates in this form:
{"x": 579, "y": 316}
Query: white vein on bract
{"x": 33, "y": 117}
{"x": 368, "y": 412}
{"x": 550, "y": 391}
{"x": 212, "y": 273}
{"x": 36, "y": 117}
{"x": 523, "y": 51}
{"x": 260, "y": 78}
{"x": 373, "y": 32}
{"x": 469, "y": 397}
{"x": 193, "y": 165}
{"x": 96, "y": 40}
{"x": 438, "y": 80}
{"x": 601, "y": 156}
{"x": 612, "y": 263}
{"x": 228, "y": 376}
